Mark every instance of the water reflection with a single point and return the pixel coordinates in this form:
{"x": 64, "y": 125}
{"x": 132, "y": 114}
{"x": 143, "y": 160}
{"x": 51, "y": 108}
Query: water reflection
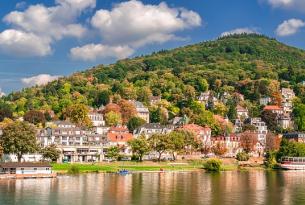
{"x": 253, "y": 187}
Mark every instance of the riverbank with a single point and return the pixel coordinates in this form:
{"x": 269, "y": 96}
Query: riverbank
{"x": 148, "y": 166}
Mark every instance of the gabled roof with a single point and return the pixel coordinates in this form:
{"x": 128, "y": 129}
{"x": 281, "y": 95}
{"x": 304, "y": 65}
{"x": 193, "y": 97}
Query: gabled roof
{"x": 119, "y": 137}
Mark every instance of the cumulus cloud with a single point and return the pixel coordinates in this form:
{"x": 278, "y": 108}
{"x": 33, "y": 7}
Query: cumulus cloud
{"x": 289, "y": 27}
{"x": 49, "y": 24}
{"x": 287, "y": 4}
{"x": 96, "y": 51}
{"x": 24, "y": 44}
{"x": 136, "y": 24}
{"x": 40, "y": 79}
{"x": 132, "y": 24}
{"x": 238, "y": 31}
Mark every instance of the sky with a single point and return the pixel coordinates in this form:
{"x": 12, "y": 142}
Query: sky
{"x": 41, "y": 40}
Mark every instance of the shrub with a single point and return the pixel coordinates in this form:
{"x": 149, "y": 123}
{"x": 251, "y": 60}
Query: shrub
{"x": 242, "y": 156}
{"x": 213, "y": 165}
{"x": 73, "y": 169}
{"x": 270, "y": 159}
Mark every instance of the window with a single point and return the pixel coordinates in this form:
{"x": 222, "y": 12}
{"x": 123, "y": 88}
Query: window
{"x": 22, "y": 169}
{"x": 47, "y": 168}
{"x": 35, "y": 168}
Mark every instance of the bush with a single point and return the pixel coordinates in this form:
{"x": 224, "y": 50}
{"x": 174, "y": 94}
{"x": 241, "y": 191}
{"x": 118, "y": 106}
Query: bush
{"x": 73, "y": 169}
{"x": 270, "y": 159}
{"x": 213, "y": 165}
{"x": 242, "y": 156}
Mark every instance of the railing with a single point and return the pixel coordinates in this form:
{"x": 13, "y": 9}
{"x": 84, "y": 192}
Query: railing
{"x": 293, "y": 159}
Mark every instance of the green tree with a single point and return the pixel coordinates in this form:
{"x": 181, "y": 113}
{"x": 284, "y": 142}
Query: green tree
{"x": 19, "y": 138}
{"x": 50, "y": 153}
{"x": 113, "y": 152}
{"x": 159, "y": 143}
{"x": 5, "y": 111}
{"x": 102, "y": 98}
{"x": 113, "y": 119}
{"x": 271, "y": 119}
{"x": 299, "y": 116}
{"x": 78, "y": 114}
{"x": 134, "y": 123}
{"x": 177, "y": 142}
{"x": 140, "y": 146}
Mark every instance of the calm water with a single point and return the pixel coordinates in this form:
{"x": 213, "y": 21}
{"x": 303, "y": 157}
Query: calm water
{"x": 227, "y": 188}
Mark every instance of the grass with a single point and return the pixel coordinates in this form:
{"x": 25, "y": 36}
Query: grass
{"x": 132, "y": 166}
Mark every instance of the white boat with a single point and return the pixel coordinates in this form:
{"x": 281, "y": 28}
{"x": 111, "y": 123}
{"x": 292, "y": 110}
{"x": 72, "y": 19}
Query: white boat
{"x": 293, "y": 163}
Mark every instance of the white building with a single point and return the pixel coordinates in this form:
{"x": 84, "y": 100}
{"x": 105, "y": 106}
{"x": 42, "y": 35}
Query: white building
{"x": 96, "y": 118}
{"x": 75, "y": 144}
{"x": 152, "y": 128}
{"x": 261, "y": 129}
{"x": 242, "y": 113}
{"x": 264, "y": 100}
{"x": 142, "y": 111}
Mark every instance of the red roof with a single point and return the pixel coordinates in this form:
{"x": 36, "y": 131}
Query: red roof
{"x": 272, "y": 107}
{"x": 119, "y": 137}
{"x": 195, "y": 128}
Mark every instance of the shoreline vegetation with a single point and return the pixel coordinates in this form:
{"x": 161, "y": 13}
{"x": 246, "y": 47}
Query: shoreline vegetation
{"x": 148, "y": 166}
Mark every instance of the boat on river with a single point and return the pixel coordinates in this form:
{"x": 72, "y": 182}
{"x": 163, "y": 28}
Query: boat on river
{"x": 123, "y": 172}
{"x": 293, "y": 163}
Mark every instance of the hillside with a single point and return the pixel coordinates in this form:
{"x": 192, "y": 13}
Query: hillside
{"x": 253, "y": 65}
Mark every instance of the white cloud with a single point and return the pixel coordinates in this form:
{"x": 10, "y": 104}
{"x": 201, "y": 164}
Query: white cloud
{"x": 238, "y": 31}
{"x": 1, "y": 93}
{"x": 287, "y": 4}
{"x": 40, "y": 79}
{"x": 133, "y": 23}
{"x": 21, "y": 5}
{"x": 24, "y": 44}
{"x": 98, "y": 51}
{"x": 51, "y": 23}
{"x": 289, "y": 27}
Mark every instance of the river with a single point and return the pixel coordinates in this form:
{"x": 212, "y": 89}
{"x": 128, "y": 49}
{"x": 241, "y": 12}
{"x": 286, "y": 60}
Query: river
{"x": 191, "y": 188}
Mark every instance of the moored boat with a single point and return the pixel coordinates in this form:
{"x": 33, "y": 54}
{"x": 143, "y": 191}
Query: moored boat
{"x": 293, "y": 163}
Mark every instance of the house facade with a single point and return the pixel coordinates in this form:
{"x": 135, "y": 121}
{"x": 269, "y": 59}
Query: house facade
{"x": 201, "y": 133}
{"x": 149, "y": 129}
{"x": 142, "y": 111}
{"x": 25, "y": 168}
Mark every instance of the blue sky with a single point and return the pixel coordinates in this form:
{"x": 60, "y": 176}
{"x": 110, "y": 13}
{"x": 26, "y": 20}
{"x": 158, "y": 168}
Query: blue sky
{"x": 43, "y": 39}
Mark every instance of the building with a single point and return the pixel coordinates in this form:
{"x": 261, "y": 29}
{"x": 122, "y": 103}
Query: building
{"x": 264, "y": 100}
{"x": 274, "y": 109}
{"x": 149, "y": 129}
{"x": 287, "y": 94}
{"x": 261, "y": 129}
{"x": 154, "y": 100}
{"x": 75, "y": 143}
{"x": 285, "y": 121}
{"x": 242, "y": 113}
{"x": 25, "y": 168}
{"x": 201, "y": 133}
{"x": 96, "y": 118}
{"x": 142, "y": 111}
{"x": 178, "y": 121}
{"x": 231, "y": 143}
{"x": 119, "y": 136}
{"x": 295, "y": 136}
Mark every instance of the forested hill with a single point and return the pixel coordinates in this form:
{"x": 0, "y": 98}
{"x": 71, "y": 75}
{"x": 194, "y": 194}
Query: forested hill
{"x": 249, "y": 64}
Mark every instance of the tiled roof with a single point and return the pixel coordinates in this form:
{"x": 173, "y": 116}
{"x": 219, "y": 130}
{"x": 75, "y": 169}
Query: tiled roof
{"x": 195, "y": 128}
{"x": 272, "y": 107}
{"x": 119, "y": 137}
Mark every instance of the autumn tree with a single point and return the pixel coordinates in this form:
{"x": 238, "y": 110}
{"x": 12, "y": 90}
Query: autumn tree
{"x": 273, "y": 142}
{"x": 177, "y": 141}
{"x": 248, "y": 141}
{"x": 112, "y": 107}
{"x": 78, "y": 114}
{"x": 35, "y": 117}
{"x": 270, "y": 118}
{"x": 128, "y": 110}
{"x": 219, "y": 149}
{"x": 19, "y": 138}
{"x": 113, "y": 119}
{"x": 139, "y": 146}
{"x": 50, "y": 153}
